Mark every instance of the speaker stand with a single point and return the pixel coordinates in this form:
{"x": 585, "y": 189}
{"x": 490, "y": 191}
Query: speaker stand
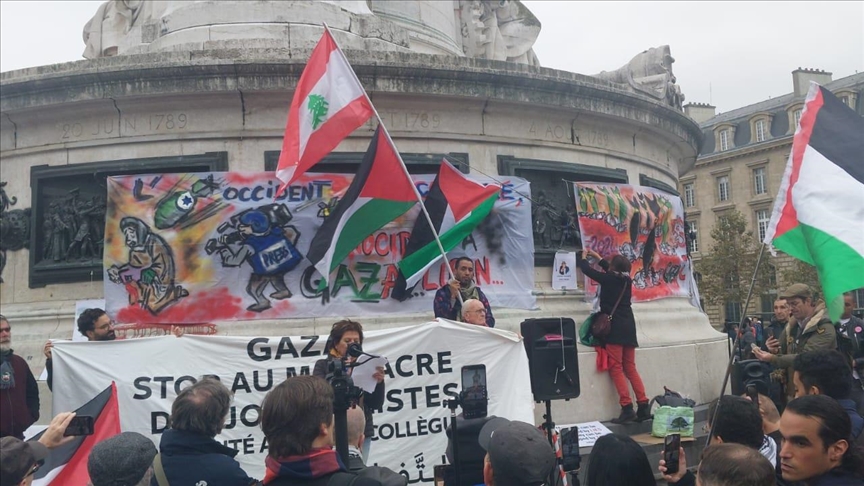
{"x": 549, "y": 425}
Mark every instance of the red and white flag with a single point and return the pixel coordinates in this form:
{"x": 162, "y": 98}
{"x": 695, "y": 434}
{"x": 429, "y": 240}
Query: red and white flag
{"x": 67, "y": 464}
{"x": 329, "y": 103}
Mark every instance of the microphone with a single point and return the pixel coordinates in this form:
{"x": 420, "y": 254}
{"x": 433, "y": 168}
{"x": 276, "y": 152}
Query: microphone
{"x": 355, "y": 350}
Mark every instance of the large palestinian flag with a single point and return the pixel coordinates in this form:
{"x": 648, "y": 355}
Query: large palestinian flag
{"x": 456, "y": 205}
{"x": 819, "y": 212}
{"x": 67, "y": 464}
{"x": 380, "y": 192}
{"x": 329, "y": 103}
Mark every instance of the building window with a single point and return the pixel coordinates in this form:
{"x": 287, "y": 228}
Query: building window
{"x": 762, "y": 219}
{"x": 760, "y": 130}
{"x": 759, "y": 180}
{"x": 692, "y": 237}
{"x": 797, "y": 116}
{"x": 733, "y": 312}
{"x": 724, "y": 140}
{"x": 723, "y": 188}
{"x": 845, "y": 100}
{"x": 689, "y": 195}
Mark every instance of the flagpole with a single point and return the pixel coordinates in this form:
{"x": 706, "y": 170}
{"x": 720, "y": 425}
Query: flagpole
{"x": 737, "y": 337}
{"x": 404, "y": 167}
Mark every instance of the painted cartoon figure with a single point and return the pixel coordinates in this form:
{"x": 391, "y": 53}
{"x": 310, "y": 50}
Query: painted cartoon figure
{"x": 149, "y": 273}
{"x": 268, "y": 250}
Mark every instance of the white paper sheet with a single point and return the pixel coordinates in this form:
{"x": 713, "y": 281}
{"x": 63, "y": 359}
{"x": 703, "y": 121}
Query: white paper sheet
{"x": 362, "y": 374}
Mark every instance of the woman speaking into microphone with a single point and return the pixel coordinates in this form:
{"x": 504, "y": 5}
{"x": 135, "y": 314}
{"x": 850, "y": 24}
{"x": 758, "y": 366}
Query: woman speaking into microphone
{"x": 343, "y": 334}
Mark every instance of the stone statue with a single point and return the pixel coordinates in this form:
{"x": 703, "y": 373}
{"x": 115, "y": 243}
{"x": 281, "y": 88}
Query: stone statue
{"x": 500, "y": 30}
{"x": 650, "y": 73}
{"x": 14, "y": 227}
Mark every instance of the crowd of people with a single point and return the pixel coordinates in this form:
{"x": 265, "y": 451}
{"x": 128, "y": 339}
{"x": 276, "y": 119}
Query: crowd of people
{"x": 805, "y": 430}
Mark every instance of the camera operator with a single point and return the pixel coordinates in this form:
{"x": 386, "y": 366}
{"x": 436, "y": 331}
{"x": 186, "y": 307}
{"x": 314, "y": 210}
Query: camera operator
{"x": 343, "y": 334}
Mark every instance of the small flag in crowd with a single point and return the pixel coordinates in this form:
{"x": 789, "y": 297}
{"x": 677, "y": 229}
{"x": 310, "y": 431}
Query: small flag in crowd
{"x": 819, "y": 209}
{"x": 380, "y": 192}
{"x": 456, "y": 205}
{"x": 329, "y": 103}
{"x": 67, "y": 464}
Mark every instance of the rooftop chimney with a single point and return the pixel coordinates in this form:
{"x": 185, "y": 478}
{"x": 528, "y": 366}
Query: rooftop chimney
{"x": 801, "y": 79}
{"x": 699, "y": 112}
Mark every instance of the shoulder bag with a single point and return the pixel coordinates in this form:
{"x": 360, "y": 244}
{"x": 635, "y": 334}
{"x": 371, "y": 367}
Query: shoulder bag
{"x": 601, "y": 324}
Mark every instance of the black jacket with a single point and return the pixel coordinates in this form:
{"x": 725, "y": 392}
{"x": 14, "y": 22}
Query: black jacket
{"x": 835, "y": 477}
{"x": 370, "y": 401}
{"x": 192, "y": 459}
{"x": 381, "y": 474}
{"x": 611, "y": 284}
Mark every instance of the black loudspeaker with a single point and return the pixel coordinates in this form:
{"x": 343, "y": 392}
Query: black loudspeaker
{"x": 751, "y": 372}
{"x": 551, "y": 347}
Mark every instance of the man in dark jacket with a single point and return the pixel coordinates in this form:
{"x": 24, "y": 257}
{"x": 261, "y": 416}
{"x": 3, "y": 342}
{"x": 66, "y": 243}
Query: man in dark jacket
{"x": 19, "y": 393}
{"x": 297, "y": 420}
{"x": 356, "y": 425}
{"x": 188, "y": 452}
{"x": 827, "y": 372}
{"x": 850, "y": 342}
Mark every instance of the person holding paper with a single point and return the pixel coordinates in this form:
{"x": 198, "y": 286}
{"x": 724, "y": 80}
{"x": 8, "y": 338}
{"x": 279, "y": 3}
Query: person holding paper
{"x": 343, "y": 334}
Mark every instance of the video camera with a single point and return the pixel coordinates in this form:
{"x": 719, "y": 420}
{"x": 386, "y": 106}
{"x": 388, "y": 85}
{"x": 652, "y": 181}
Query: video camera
{"x": 229, "y": 231}
{"x": 345, "y": 395}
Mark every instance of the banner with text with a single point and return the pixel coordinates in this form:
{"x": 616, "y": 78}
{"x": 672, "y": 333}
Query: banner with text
{"x": 424, "y": 370}
{"x": 645, "y": 225}
{"x": 198, "y": 248}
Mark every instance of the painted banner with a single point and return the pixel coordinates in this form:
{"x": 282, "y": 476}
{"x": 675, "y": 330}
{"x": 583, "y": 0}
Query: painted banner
{"x": 645, "y": 225}
{"x": 199, "y": 248}
{"x": 424, "y": 370}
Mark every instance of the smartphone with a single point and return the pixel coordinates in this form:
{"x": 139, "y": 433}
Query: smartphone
{"x": 671, "y": 447}
{"x": 770, "y": 332}
{"x": 80, "y": 425}
{"x": 753, "y": 394}
{"x": 474, "y": 394}
{"x": 572, "y": 460}
{"x": 442, "y": 474}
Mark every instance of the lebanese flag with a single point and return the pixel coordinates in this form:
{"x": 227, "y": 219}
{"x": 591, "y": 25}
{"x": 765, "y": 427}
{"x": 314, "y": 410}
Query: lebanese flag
{"x": 380, "y": 192}
{"x": 329, "y": 103}
{"x": 456, "y": 205}
{"x": 819, "y": 211}
{"x": 67, "y": 465}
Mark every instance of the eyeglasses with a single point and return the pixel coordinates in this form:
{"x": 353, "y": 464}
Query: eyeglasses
{"x": 5, "y": 329}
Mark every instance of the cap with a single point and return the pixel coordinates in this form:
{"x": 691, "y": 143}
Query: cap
{"x": 517, "y": 450}
{"x": 121, "y": 460}
{"x": 17, "y": 459}
{"x": 797, "y": 290}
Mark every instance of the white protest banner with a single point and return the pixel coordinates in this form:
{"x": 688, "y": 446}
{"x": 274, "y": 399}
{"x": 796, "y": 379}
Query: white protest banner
{"x": 424, "y": 369}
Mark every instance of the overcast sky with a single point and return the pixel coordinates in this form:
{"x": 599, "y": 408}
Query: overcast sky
{"x": 729, "y": 53}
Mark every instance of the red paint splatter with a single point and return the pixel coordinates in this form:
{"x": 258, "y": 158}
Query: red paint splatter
{"x": 200, "y": 307}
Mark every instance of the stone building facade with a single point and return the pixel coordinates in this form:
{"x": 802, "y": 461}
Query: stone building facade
{"x": 740, "y": 167}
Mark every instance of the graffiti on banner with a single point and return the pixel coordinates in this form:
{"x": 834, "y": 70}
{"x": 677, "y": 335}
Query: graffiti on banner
{"x": 207, "y": 247}
{"x": 643, "y": 224}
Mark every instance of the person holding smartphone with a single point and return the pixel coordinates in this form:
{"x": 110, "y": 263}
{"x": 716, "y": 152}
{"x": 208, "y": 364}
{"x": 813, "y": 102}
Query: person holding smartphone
{"x": 621, "y": 344}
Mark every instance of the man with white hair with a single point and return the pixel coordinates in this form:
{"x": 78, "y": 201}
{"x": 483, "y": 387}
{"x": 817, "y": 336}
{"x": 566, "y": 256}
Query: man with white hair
{"x": 474, "y": 312}
{"x": 19, "y": 393}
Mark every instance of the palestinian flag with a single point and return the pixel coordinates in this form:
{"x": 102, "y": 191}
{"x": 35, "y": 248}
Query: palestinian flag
{"x": 68, "y": 464}
{"x": 380, "y": 192}
{"x": 329, "y": 103}
{"x": 456, "y": 205}
{"x": 819, "y": 211}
